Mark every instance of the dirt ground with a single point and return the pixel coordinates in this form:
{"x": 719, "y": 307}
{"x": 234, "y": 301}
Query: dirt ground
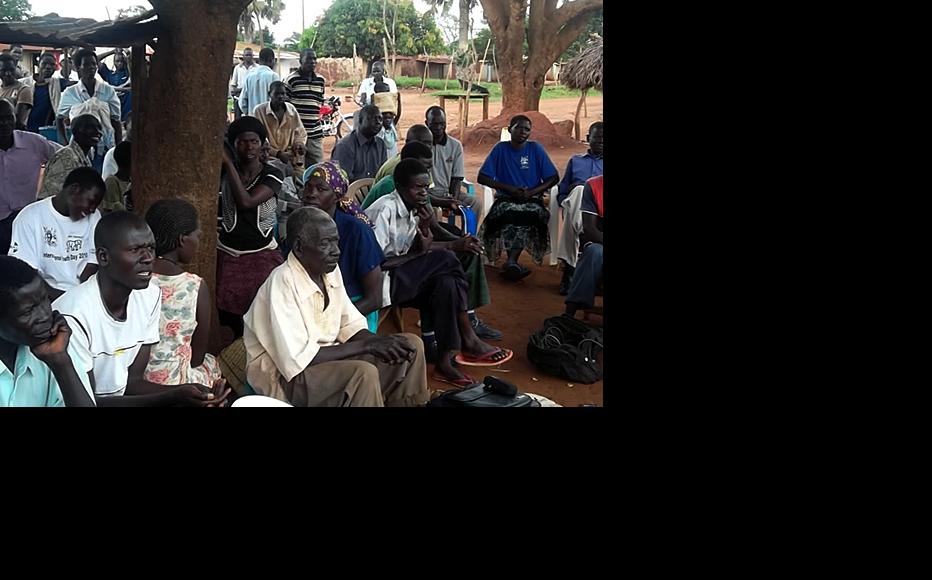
{"x": 516, "y": 309}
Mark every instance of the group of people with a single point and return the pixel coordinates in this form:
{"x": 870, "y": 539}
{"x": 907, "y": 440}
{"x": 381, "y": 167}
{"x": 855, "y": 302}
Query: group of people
{"x": 97, "y": 307}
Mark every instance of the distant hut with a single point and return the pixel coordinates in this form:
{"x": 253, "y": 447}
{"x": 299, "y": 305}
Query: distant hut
{"x": 584, "y": 72}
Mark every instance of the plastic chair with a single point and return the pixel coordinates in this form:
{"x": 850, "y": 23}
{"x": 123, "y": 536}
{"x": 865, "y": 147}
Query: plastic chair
{"x": 359, "y": 189}
{"x": 470, "y": 221}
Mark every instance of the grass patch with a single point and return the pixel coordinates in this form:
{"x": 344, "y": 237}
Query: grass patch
{"x": 495, "y": 89}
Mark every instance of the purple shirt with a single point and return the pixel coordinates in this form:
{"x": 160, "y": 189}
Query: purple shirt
{"x": 579, "y": 169}
{"x": 19, "y": 170}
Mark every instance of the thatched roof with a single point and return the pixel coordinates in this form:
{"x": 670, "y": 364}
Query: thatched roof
{"x": 54, "y": 30}
{"x": 584, "y": 71}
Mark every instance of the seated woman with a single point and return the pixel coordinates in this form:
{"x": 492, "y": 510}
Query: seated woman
{"x": 520, "y": 171}
{"x": 184, "y": 326}
{"x": 246, "y": 250}
{"x": 361, "y": 258}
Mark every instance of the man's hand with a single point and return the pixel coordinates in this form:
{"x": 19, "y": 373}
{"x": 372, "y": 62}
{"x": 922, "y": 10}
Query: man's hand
{"x": 444, "y": 202}
{"x": 467, "y": 244}
{"x": 57, "y": 343}
{"x": 192, "y": 395}
{"x": 392, "y": 349}
{"x": 221, "y": 392}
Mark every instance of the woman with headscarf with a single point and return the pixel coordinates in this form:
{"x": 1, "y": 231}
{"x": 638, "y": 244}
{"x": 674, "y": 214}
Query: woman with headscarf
{"x": 246, "y": 250}
{"x": 325, "y": 186}
{"x": 520, "y": 171}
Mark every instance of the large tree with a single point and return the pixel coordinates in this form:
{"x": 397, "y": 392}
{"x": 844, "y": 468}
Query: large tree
{"x": 15, "y": 10}
{"x": 256, "y": 15}
{"x": 549, "y": 31}
{"x": 359, "y": 22}
{"x": 178, "y": 149}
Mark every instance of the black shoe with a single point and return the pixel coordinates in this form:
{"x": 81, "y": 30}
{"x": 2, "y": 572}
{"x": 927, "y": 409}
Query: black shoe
{"x": 567, "y": 280}
{"x": 484, "y": 331}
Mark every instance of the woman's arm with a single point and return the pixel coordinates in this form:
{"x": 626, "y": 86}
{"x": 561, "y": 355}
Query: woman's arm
{"x": 244, "y": 198}
{"x": 371, "y": 291}
{"x": 202, "y": 331}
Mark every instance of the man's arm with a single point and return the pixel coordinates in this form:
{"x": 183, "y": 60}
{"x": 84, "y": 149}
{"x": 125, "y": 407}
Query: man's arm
{"x": 371, "y": 291}
{"x": 591, "y": 231}
{"x": 60, "y": 125}
{"x": 154, "y": 394}
{"x": 54, "y": 353}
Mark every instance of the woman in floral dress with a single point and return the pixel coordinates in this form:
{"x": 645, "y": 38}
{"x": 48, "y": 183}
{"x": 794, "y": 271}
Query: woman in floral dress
{"x": 181, "y": 355}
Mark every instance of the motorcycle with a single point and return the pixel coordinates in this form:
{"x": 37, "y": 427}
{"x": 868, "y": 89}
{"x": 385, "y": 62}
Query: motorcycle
{"x": 332, "y": 122}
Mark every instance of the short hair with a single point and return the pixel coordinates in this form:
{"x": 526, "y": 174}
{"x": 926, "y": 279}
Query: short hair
{"x": 169, "y": 219}
{"x": 517, "y": 119}
{"x": 416, "y": 150}
{"x": 81, "y": 54}
{"x": 14, "y": 274}
{"x": 122, "y": 154}
{"x": 49, "y": 56}
{"x": 85, "y": 178}
{"x": 266, "y": 54}
{"x": 369, "y": 110}
{"x": 82, "y": 120}
{"x": 413, "y": 130}
{"x": 7, "y": 58}
{"x": 305, "y": 52}
{"x": 246, "y": 124}
{"x": 113, "y": 226}
{"x": 594, "y": 126}
{"x": 275, "y": 84}
{"x": 406, "y": 170}
{"x": 305, "y": 221}
{"x": 375, "y": 62}
{"x": 14, "y": 45}
{"x": 434, "y": 109}
{"x": 249, "y": 48}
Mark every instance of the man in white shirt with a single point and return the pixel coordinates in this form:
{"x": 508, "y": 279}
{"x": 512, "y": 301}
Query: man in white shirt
{"x": 239, "y": 79}
{"x": 309, "y": 346}
{"x": 94, "y": 96}
{"x": 56, "y": 235}
{"x": 367, "y": 86}
{"x": 114, "y": 317}
{"x": 426, "y": 274}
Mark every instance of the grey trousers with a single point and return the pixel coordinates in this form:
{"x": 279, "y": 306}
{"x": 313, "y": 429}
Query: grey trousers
{"x": 314, "y": 153}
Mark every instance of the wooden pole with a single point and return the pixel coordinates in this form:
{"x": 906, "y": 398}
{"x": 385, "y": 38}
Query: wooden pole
{"x": 426, "y": 69}
{"x": 582, "y": 99}
{"x": 446, "y": 81}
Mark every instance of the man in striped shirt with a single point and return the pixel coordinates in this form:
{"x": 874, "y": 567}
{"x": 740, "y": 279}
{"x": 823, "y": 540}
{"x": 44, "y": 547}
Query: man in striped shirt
{"x": 306, "y": 90}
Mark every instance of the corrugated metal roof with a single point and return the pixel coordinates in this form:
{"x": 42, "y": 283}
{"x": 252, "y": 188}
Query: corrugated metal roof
{"x": 54, "y": 30}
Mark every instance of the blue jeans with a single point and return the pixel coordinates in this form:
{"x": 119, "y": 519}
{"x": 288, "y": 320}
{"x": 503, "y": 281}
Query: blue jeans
{"x": 586, "y": 277}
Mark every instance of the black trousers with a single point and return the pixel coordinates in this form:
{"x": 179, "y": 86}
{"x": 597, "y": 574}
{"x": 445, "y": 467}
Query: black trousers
{"x": 435, "y": 284}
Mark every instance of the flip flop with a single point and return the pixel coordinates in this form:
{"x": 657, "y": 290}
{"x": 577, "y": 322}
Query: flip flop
{"x": 514, "y": 272}
{"x": 485, "y": 360}
{"x": 466, "y": 381}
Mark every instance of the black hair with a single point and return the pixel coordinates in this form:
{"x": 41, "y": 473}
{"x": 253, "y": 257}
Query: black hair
{"x": 305, "y": 52}
{"x": 80, "y": 55}
{"x": 368, "y": 109}
{"x": 274, "y": 84}
{"x": 517, "y": 119}
{"x": 169, "y": 219}
{"x": 7, "y": 57}
{"x": 82, "y": 120}
{"x": 122, "y": 154}
{"x": 406, "y": 170}
{"x": 416, "y": 150}
{"x": 267, "y": 54}
{"x": 434, "y": 109}
{"x": 246, "y": 124}
{"x": 594, "y": 126}
{"x": 413, "y": 130}
{"x": 85, "y": 178}
{"x": 14, "y": 274}
{"x": 113, "y": 226}
{"x": 48, "y": 55}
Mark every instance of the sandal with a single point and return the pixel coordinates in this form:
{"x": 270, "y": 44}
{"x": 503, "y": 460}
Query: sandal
{"x": 490, "y": 359}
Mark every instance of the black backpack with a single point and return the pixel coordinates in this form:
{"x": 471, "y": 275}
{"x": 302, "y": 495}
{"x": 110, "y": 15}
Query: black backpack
{"x": 567, "y": 348}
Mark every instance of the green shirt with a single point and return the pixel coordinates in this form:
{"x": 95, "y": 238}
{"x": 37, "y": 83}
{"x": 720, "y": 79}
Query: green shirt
{"x": 381, "y": 189}
{"x": 31, "y": 384}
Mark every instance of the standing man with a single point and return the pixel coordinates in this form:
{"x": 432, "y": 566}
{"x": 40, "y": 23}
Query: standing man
{"x": 16, "y": 51}
{"x": 94, "y": 96}
{"x": 42, "y": 113}
{"x": 14, "y": 89}
{"x": 238, "y": 79}
{"x": 21, "y": 156}
{"x": 306, "y": 89}
{"x": 367, "y": 86}
{"x": 257, "y": 83}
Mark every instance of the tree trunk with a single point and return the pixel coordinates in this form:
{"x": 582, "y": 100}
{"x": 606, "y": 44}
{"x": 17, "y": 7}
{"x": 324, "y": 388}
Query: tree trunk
{"x": 179, "y": 146}
{"x": 549, "y": 30}
{"x": 464, "y": 25}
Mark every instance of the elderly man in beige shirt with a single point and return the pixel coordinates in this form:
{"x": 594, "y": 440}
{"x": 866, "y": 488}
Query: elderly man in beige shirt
{"x": 287, "y": 135}
{"x": 308, "y": 345}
